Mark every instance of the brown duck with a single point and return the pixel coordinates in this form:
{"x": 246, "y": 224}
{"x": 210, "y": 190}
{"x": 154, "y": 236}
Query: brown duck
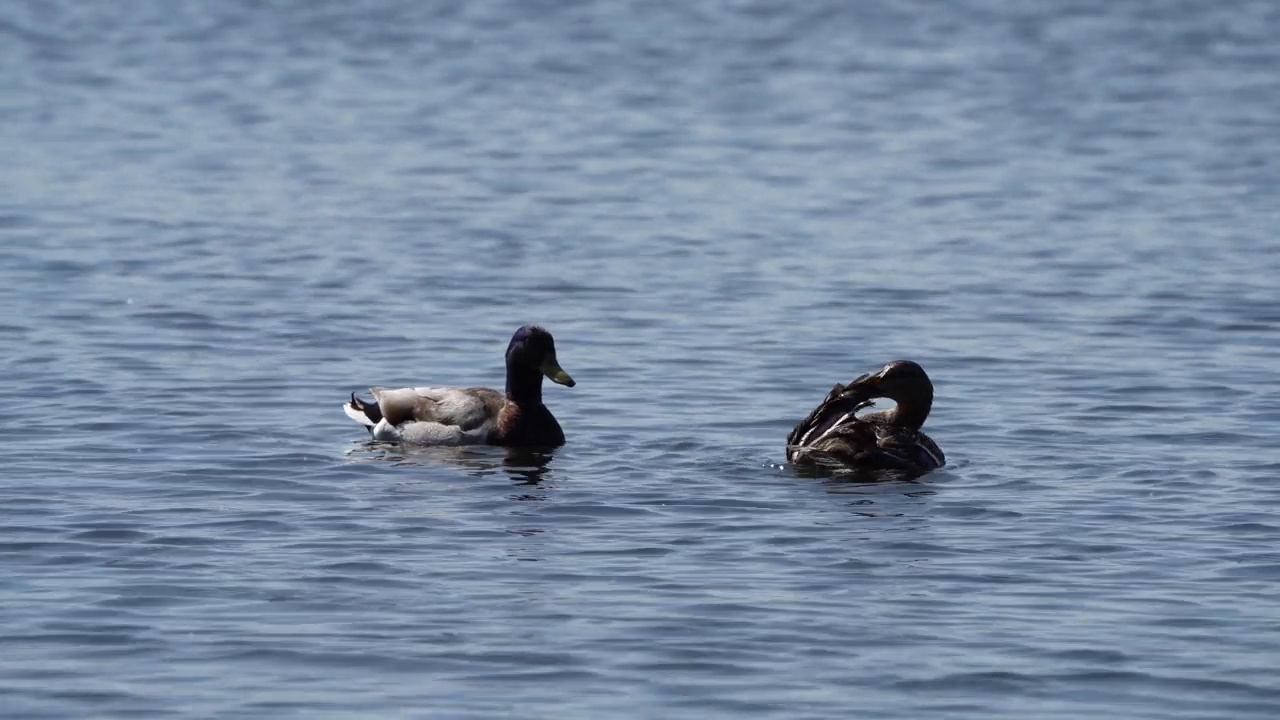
{"x": 477, "y": 415}
{"x": 834, "y": 435}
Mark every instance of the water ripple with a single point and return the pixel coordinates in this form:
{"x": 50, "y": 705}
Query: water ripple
{"x": 223, "y": 219}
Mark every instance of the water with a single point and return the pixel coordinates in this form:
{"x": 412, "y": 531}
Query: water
{"x": 219, "y": 219}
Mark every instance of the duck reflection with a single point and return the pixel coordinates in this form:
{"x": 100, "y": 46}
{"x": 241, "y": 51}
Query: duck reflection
{"x": 525, "y": 466}
{"x": 836, "y": 475}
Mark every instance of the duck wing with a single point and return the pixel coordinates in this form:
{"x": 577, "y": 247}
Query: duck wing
{"x": 429, "y": 415}
{"x": 909, "y": 449}
{"x": 836, "y": 414}
{"x": 463, "y": 408}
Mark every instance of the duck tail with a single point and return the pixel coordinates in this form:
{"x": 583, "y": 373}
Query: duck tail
{"x": 365, "y": 413}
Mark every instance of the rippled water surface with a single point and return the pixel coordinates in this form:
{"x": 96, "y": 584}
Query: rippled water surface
{"x": 217, "y": 220}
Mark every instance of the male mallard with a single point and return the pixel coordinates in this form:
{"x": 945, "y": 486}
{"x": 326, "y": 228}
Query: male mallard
{"x": 885, "y": 440}
{"x": 473, "y": 416}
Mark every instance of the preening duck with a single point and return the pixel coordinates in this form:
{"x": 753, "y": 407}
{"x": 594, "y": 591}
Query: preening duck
{"x": 834, "y": 435}
{"x": 477, "y": 415}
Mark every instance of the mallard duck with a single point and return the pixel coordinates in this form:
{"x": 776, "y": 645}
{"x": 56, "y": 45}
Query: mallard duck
{"x": 885, "y": 440}
{"x": 478, "y": 415}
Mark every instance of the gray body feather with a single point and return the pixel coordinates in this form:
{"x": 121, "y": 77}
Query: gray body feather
{"x": 433, "y": 415}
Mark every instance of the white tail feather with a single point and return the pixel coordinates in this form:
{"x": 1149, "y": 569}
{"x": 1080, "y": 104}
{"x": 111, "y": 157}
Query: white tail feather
{"x": 356, "y": 415}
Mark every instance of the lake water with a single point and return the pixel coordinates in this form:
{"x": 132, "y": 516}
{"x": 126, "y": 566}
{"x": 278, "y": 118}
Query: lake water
{"x": 217, "y": 220}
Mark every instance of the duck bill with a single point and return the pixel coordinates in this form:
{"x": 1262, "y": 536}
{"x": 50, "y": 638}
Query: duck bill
{"x": 861, "y": 388}
{"x": 557, "y": 375}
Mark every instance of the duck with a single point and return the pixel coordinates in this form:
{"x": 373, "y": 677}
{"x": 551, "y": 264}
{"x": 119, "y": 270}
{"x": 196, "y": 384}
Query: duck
{"x": 834, "y": 434}
{"x": 447, "y": 416}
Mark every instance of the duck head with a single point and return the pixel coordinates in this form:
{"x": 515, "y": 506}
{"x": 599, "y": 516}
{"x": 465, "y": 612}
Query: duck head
{"x": 901, "y": 381}
{"x": 531, "y": 355}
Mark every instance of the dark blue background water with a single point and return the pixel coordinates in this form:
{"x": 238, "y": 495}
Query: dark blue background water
{"x": 218, "y": 219}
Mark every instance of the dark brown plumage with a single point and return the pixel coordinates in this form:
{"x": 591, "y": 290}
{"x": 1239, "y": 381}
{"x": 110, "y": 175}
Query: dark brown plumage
{"x": 833, "y": 434}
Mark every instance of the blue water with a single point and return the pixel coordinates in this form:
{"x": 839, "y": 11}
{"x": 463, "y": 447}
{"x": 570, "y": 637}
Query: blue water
{"x": 219, "y": 219}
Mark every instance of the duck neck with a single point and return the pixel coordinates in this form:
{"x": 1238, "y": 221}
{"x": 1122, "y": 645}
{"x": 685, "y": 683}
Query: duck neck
{"x": 524, "y": 384}
{"x": 912, "y": 410}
